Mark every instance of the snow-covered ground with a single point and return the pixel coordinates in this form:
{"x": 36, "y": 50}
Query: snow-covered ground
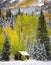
{"x": 27, "y": 62}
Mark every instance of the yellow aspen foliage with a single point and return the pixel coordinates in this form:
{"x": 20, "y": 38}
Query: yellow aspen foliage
{"x": 3, "y": 15}
{"x": 1, "y": 29}
{"x": 23, "y": 43}
{"x": 23, "y": 58}
{"x": 49, "y": 31}
{"x": 14, "y": 39}
{"x": 2, "y": 40}
{"x": 48, "y": 16}
{"x": 27, "y": 3}
{"x": 26, "y": 24}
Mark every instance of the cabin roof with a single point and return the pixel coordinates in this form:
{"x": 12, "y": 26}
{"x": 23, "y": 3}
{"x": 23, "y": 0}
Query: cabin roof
{"x": 24, "y": 53}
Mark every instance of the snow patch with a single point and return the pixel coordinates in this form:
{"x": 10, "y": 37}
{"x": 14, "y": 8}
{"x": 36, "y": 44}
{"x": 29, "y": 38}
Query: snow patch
{"x": 26, "y": 62}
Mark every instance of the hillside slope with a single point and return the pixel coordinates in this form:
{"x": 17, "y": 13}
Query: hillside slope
{"x": 28, "y": 3}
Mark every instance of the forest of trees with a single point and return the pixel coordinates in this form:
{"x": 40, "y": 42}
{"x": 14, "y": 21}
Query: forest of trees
{"x": 24, "y": 34}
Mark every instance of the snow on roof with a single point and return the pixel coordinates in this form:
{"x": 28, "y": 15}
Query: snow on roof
{"x": 24, "y": 53}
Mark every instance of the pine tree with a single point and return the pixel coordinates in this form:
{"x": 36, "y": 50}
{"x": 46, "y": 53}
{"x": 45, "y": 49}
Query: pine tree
{"x": 0, "y": 12}
{"x": 8, "y": 14}
{"x": 42, "y": 36}
{"x": 6, "y": 50}
{"x": 39, "y": 51}
{"x": 19, "y": 13}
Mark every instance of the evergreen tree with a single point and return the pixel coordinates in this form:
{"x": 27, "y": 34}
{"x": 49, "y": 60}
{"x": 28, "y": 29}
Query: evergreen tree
{"x": 39, "y": 51}
{"x": 8, "y": 14}
{"x": 19, "y": 13}
{"x": 6, "y": 50}
{"x": 42, "y": 36}
{"x": 0, "y": 12}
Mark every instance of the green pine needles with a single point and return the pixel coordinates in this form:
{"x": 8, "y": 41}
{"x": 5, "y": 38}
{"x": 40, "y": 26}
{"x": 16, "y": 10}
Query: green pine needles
{"x": 6, "y": 50}
{"x": 42, "y": 40}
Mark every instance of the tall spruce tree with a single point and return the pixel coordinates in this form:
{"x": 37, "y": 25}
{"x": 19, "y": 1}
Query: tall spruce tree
{"x": 8, "y": 14}
{"x": 43, "y": 39}
{"x": 6, "y": 50}
{"x": 0, "y": 12}
{"x": 19, "y": 12}
{"x": 39, "y": 51}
